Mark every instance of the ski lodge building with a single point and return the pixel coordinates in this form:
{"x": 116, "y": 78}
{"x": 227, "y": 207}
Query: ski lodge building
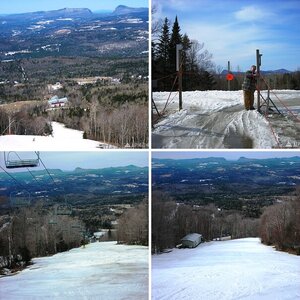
{"x": 56, "y": 102}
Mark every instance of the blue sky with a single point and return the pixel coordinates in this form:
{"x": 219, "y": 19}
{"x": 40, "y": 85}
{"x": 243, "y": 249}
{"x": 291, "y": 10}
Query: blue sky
{"x": 230, "y": 155}
{"x": 86, "y": 160}
{"x": 19, "y": 6}
{"x": 233, "y": 30}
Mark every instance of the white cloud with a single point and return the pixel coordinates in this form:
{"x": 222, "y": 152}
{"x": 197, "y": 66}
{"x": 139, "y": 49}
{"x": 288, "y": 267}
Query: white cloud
{"x": 252, "y": 13}
{"x": 230, "y": 42}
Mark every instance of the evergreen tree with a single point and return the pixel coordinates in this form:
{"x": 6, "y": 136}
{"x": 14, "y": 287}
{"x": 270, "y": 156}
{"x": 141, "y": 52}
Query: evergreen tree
{"x": 186, "y": 45}
{"x": 175, "y": 39}
{"x": 161, "y": 56}
{"x": 195, "y": 64}
{"x": 163, "y": 45}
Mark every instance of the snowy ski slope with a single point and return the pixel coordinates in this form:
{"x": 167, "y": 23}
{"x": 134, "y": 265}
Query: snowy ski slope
{"x": 217, "y": 119}
{"x": 235, "y": 269}
{"x": 62, "y": 139}
{"x": 99, "y": 271}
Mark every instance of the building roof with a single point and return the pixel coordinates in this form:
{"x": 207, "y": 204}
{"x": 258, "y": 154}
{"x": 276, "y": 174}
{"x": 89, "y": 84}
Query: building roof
{"x": 194, "y": 237}
{"x": 55, "y": 99}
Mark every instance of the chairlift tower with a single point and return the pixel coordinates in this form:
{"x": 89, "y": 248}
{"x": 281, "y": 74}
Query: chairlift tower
{"x": 258, "y": 64}
{"x": 179, "y": 48}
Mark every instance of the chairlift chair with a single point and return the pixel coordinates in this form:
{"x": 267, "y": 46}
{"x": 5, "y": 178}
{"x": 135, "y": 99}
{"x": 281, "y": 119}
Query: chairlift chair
{"x": 13, "y": 163}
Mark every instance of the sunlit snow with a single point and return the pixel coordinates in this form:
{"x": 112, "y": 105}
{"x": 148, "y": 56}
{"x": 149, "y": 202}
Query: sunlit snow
{"x": 62, "y": 139}
{"x": 217, "y": 119}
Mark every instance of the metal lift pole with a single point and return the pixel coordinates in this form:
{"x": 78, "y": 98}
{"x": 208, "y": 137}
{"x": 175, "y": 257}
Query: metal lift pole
{"x": 228, "y": 73}
{"x": 179, "y": 71}
{"x": 258, "y": 64}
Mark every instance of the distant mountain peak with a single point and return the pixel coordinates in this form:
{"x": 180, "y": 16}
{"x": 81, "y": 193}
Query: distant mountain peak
{"x": 124, "y": 10}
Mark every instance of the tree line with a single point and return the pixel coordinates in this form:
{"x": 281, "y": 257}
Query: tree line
{"x": 276, "y": 81}
{"x": 20, "y": 121}
{"x": 133, "y": 225}
{"x": 172, "y": 221}
{"x": 32, "y": 232}
{"x": 280, "y": 226}
{"x": 196, "y": 62}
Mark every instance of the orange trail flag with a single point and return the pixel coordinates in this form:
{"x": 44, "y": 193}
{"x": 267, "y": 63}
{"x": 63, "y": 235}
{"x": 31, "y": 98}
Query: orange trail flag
{"x": 229, "y": 76}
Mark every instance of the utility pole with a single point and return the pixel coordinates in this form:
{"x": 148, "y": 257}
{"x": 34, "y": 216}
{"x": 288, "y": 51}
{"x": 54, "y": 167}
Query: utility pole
{"x": 258, "y": 64}
{"x": 179, "y": 72}
{"x": 228, "y": 70}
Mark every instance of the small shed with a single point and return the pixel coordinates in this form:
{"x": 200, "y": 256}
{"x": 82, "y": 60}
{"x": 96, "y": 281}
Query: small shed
{"x": 191, "y": 240}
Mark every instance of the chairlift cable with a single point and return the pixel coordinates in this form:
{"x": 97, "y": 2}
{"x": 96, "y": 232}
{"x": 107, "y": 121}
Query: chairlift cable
{"x": 65, "y": 201}
{"x": 177, "y": 77}
{"x": 286, "y": 107}
{"x": 48, "y": 171}
{"x": 169, "y": 95}
{"x": 270, "y": 125}
{"x": 15, "y": 180}
{"x": 167, "y": 76}
{"x": 28, "y": 169}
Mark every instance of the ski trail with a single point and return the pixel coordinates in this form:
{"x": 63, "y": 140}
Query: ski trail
{"x": 100, "y": 271}
{"x": 217, "y": 119}
{"x": 62, "y": 138}
{"x": 235, "y": 269}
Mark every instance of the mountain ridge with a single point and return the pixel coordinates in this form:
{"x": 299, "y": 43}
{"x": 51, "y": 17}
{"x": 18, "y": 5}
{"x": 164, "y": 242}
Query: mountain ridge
{"x": 212, "y": 158}
{"x": 124, "y": 10}
{"x": 63, "y": 12}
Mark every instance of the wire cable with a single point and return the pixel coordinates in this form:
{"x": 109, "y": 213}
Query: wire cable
{"x": 13, "y": 178}
{"x": 286, "y": 107}
{"x": 170, "y": 94}
{"x": 28, "y": 169}
{"x": 269, "y": 123}
{"x": 48, "y": 172}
